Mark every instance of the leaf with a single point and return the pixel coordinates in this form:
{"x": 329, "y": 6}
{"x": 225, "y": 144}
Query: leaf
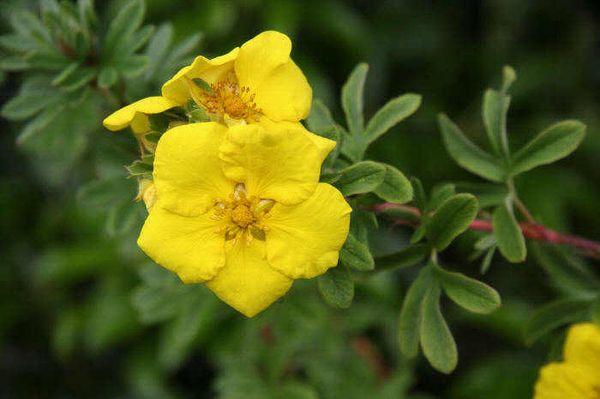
{"x": 391, "y": 114}
{"x": 395, "y": 187}
{"x": 107, "y": 77}
{"x": 122, "y": 218}
{"x": 336, "y": 287}
{"x": 362, "y": 177}
{"x": 410, "y": 256}
{"x": 487, "y": 260}
{"x": 132, "y": 66}
{"x": 65, "y": 73}
{"x": 128, "y": 20}
{"x": 469, "y": 293}
{"x": 568, "y": 273}
{"x": 158, "y": 48}
{"x": 467, "y": 154}
{"x": 196, "y": 318}
{"x": 356, "y": 255}
{"x": 436, "y": 339}
{"x": 508, "y": 234}
{"x": 439, "y": 195}
{"x": 508, "y": 77}
{"x": 451, "y": 219}
{"x": 554, "y": 143}
{"x": 494, "y": 110}
{"x": 34, "y": 95}
{"x": 352, "y": 98}
{"x": 410, "y": 315}
{"x": 553, "y": 315}
{"x": 36, "y": 125}
{"x": 419, "y": 193}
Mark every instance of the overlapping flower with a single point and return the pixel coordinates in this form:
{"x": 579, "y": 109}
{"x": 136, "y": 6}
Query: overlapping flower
{"x": 578, "y": 375}
{"x": 236, "y": 202}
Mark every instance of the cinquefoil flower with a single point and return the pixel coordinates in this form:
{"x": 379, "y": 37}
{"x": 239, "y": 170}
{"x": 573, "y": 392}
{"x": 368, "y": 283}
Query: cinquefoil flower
{"x": 241, "y": 210}
{"x": 578, "y": 375}
{"x": 255, "y": 81}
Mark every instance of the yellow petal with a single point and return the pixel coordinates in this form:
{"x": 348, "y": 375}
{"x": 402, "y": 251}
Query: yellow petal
{"x": 264, "y": 65}
{"x": 567, "y": 381}
{"x": 149, "y": 105}
{"x": 304, "y": 240}
{"x": 209, "y": 70}
{"x": 187, "y": 170}
{"x": 583, "y": 346}
{"x": 247, "y": 282}
{"x": 324, "y": 145}
{"x": 281, "y": 163}
{"x": 188, "y": 246}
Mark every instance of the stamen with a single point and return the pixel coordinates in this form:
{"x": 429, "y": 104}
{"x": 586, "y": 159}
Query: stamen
{"x": 243, "y": 215}
{"x": 226, "y": 99}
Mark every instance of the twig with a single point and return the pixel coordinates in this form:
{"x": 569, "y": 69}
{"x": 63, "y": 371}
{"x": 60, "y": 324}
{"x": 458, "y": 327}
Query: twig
{"x": 533, "y": 231}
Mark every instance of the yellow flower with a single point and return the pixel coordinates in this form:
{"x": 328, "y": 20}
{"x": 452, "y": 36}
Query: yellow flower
{"x": 578, "y": 375}
{"x": 241, "y": 210}
{"x": 256, "y": 80}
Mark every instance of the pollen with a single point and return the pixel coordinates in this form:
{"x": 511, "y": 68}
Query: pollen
{"x": 226, "y": 99}
{"x": 243, "y": 216}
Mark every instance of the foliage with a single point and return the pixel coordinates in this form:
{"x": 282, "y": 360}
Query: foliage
{"x": 83, "y": 279}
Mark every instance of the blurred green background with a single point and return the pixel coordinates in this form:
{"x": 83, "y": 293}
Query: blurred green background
{"x": 84, "y": 314}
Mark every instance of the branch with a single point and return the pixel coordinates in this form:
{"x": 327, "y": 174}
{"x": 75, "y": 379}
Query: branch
{"x": 533, "y": 231}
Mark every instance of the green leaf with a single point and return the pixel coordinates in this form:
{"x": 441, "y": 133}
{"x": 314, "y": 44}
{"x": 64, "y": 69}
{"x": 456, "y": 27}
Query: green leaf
{"x": 128, "y": 20}
{"x": 391, "y": 114}
{"x": 494, "y": 110}
{"x": 452, "y": 218}
{"x": 487, "y": 260}
{"x": 196, "y": 318}
{"x": 337, "y": 287}
{"x": 322, "y": 123}
{"x": 158, "y": 48}
{"x": 436, "y": 339}
{"x": 78, "y": 78}
{"x": 38, "y": 124}
{"x": 14, "y": 64}
{"x": 34, "y": 95}
{"x": 440, "y": 194}
{"x": 352, "y": 98}
{"x": 508, "y": 77}
{"x": 362, "y": 177}
{"x": 132, "y": 66}
{"x": 469, "y": 293}
{"x": 508, "y": 234}
{"x": 356, "y": 255}
{"x": 411, "y": 313}
{"x": 568, "y": 273}
{"x": 202, "y": 84}
{"x": 419, "y": 193}
{"x": 553, "y": 315}
{"x": 122, "y": 218}
{"x": 554, "y": 143}
{"x": 410, "y": 256}
{"x": 395, "y": 187}
{"x": 107, "y": 77}
{"x": 467, "y": 154}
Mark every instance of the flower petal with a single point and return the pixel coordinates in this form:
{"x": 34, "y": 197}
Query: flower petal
{"x": 187, "y": 170}
{"x": 566, "y": 381}
{"x": 281, "y": 163}
{"x": 124, "y": 117}
{"x": 247, "y": 283}
{"x": 583, "y": 346}
{"x": 209, "y": 70}
{"x": 324, "y": 145}
{"x": 188, "y": 246}
{"x": 304, "y": 240}
{"x": 264, "y": 65}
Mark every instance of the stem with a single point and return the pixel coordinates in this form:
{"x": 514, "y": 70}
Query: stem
{"x": 518, "y": 203}
{"x": 531, "y": 230}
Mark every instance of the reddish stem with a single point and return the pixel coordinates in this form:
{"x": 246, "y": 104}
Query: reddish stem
{"x": 533, "y": 231}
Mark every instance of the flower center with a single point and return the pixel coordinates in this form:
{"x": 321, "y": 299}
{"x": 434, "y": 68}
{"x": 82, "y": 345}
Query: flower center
{"x": 243, "y": 216}
{"x": 227, "y": 100}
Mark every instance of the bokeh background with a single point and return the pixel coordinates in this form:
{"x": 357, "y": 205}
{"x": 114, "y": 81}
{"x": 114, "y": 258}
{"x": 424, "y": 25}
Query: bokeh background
{"x": 84, "y": 314}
